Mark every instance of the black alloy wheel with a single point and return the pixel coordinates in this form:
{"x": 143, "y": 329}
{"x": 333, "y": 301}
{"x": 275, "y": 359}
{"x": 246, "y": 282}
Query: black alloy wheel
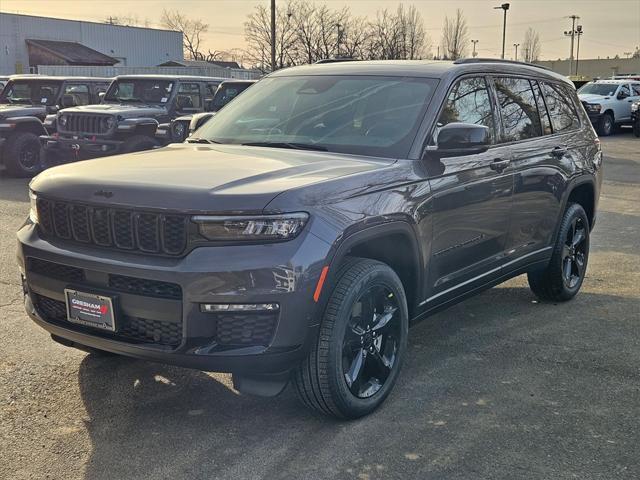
{"x": 562, "y": 277}
{"x": 371, "y": 341}
{"x": 574, "y": 253}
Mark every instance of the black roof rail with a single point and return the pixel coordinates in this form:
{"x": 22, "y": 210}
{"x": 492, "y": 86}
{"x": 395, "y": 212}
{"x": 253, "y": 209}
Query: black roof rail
{"x": 462, "y": 61}
{"x": 336, "y": 60}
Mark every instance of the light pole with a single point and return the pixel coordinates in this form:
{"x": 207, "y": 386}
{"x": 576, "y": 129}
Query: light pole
{"x": 505, "y": 7}
{"x": 579, "y": 32}
{"x": 474, "y": 54}
{"x": 572, "y": 33}
{"x": 516, "y": 45}
{"x": 273, "y": 35}
{"x": 338, "y": 40}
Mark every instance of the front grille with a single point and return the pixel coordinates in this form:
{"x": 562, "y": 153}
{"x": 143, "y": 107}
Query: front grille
{"x": 147, "y": 288}
{"x": 128, "y": 328}
{"x": 83, "y": 123}
{"x": 55, "y": 270}
{"x": 246, "y": 329}
{"x": 110, "y": 227}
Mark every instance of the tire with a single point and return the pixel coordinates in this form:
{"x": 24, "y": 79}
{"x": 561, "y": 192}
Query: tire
{"x": 562, "y": 278}
{"x": 138, "y": 143}
{"x": 351, "y": 369}
{"x": 636, "y": 128}
{"x": 606, "y": 125}
{"x": 23, "y": 155}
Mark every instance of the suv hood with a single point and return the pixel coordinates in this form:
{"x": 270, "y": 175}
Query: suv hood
{"x": 21, "y": 110}
{"x": 197, "y": 178}
{"x": 124, "y": 110}
{"x": 592, "y": 98}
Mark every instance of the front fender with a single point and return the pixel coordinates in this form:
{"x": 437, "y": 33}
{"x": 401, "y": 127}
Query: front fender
{"x": 32, "y": 124}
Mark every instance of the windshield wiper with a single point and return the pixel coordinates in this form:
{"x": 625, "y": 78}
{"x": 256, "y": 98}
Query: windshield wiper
{"x": 293, "y": 146}
{"x": 200, "y": 140}
{"x": 129, "y": 99}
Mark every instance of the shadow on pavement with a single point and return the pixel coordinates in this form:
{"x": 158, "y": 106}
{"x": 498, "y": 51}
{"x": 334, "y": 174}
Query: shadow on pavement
{"x": 485, "y": 384}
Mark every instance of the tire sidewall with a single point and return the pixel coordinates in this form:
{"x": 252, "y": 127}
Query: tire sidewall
{"x": 349, "y": 404}
{"x": 607, "y": 119}
{"x": 14, "y": 150}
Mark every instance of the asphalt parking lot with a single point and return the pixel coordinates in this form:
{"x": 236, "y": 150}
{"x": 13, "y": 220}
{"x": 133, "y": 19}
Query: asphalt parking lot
{"x": 500, "y": 386}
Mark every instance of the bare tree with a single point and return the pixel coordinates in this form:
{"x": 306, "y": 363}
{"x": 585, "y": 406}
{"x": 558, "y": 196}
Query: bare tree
{"x": 192, "y": 32}
{"x": 257, "y": 31}
{"x": 531, "y": 47}
{"x": 415, "y": 43}
{"x": 455, "y": 36}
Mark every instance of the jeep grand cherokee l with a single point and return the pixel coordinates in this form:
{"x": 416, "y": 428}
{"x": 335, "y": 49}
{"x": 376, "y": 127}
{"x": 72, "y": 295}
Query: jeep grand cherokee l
{"x": 314, "y": 218}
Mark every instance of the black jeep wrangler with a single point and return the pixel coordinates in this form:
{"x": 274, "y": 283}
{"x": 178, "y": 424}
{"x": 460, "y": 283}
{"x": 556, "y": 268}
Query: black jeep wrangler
{"x": 181, "y": 127}
{"x": 129, "y": 114}
{"x": 25, "y": 102}
{"x": 314, "y": 219}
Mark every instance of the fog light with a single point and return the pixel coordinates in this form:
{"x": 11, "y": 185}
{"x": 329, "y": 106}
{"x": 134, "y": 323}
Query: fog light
{"x": 238, "y": 307}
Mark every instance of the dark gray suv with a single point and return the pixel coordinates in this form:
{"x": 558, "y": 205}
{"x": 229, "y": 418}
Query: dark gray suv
{"x": 314, "y": 219}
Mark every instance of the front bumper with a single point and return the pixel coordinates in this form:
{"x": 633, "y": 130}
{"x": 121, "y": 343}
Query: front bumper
{"x": 284, "y": 273}
{"x": 89, "y": 145}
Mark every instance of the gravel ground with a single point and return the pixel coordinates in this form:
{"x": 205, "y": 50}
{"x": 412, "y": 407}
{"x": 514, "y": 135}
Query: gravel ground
{"x": 499, "y": 386}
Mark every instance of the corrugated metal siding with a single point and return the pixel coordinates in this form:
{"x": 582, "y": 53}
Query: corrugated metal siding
{"x": 212, "y": 71}
{"x": 135, "y": 46}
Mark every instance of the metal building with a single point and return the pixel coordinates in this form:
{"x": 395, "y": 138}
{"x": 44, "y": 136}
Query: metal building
{"x": 129, "y": 46}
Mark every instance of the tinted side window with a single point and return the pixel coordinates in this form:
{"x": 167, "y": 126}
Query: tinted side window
{"x": 561, "y": 109}
{"x": 468, "y": 102}
{"x": 79, "y": 93}
{"x": 635, "y": 87}
{"x": 542, "y": 109}
{"x": 520, "y": 118}
{"x": 624, "y": 89}
{"x": 188, "y": 96}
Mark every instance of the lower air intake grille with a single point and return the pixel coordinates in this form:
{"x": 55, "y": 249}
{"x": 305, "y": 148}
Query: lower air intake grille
{"x": 246, "y": 329}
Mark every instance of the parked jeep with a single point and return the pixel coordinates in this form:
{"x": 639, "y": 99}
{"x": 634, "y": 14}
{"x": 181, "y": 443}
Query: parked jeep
{"x": 25, "y": 102}
{"x": 314, "y": 219}
{"x": 181, "y": 127}
{"x": 608, "y": 103}
{"x": 129, "y": 114}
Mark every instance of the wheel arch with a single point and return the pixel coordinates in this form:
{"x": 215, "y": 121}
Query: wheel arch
{"x": 582, "y": 191}
{"x": 394, "y": 244}
{"x": 27, "y": 124}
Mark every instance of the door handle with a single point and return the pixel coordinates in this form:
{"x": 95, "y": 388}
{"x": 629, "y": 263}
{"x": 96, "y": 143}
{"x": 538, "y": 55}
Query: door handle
{"x": 499, "y": 164}
{"x": 559, "y": 152}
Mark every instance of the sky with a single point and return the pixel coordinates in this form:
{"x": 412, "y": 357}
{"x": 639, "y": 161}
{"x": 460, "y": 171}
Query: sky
{"x": 611, "y": 26}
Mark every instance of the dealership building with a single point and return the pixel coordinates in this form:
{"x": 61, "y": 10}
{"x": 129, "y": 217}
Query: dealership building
{"x": 28, "y": 41}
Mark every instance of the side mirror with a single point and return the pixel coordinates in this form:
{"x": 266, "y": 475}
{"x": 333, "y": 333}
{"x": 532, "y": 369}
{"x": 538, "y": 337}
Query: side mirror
{"x": 101, "y": 95}
{"x": 458, "y": 139}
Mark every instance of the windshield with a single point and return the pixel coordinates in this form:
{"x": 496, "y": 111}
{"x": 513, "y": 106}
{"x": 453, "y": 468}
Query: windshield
{"x": 139, "y": 91}
{"x": 605, "y": 89}
{"x": 31, "y": 92}
{"x": 362, "y": 115}
{"x": 227, "y": 92}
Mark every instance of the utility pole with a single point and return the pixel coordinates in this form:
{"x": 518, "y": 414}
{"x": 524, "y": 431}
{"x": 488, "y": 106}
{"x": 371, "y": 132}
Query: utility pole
{"x": 516, "y": 45}
{"x": 579, "y": 32}
{"x": 338, "y": 41}
{"x": 572, "y": 33}
{"x": 273, "y": 35}
{"x": 505, "y": 7}
{"x": 474, "y": 54}
{"x": 438, "y": 56}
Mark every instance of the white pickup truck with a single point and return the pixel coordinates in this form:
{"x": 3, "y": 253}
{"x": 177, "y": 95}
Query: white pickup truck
{"x": 608, "y": 102}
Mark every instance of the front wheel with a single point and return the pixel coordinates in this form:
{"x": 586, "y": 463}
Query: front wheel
{"x": 562, "y": 278}
{"x": 356, "y": 359}
{"x": 23, "y": 155}
{"x": 606, "y": 125}
{"x": 636, "y": 128}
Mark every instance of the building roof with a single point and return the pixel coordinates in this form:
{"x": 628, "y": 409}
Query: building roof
{"x": 72, "y": 53}
{"x": 199, "y": 63}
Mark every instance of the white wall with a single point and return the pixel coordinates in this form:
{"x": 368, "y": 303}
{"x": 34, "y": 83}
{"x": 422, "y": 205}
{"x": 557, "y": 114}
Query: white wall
{"x": 136, "y": 46}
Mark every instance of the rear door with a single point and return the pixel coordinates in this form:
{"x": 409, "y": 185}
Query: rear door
{"x": 471, "y": 199}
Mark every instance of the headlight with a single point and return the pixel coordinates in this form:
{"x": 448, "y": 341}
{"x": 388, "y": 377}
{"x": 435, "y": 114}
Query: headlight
{"x": 248, "y": 229}
{"x": 62, "y": 120}
{"x": 33, "y": 210}
{"x": 593, "y": 107}
{"x": 178, "y": 131}
{"x": 635, "y": 106}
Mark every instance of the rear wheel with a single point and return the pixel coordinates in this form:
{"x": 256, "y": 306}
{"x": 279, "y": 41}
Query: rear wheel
{"x": 562, "y": 278}
{"x": 636, "y": 128}
{"x": 23, "y": 155}
{"x": 606, "y": 125}
{"x": 356, "y": 360}
{"x": 138, "y": 143}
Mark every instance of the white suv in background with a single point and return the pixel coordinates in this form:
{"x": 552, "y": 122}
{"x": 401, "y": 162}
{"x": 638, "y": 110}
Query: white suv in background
{"x": 608, "y": 102}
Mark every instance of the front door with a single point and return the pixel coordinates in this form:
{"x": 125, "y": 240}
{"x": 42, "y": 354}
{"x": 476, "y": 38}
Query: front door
{"x": 471, "y": 200}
